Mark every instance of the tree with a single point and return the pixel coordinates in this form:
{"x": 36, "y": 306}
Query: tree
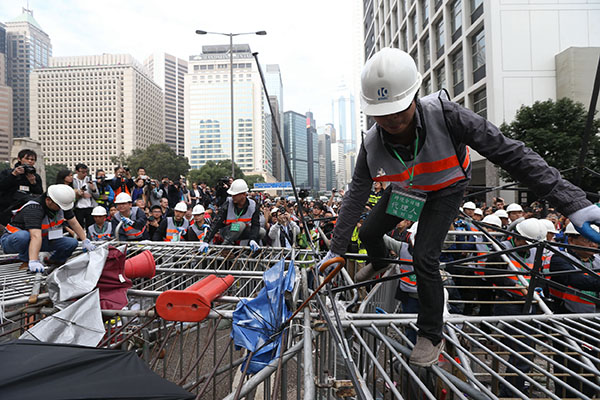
{"x": 51, "y": 172}
{"x": 252, "y": 179}
{"x": 554, "y": 129}
{"x": 212, "y": 171}
{"x": 159, "y": 160}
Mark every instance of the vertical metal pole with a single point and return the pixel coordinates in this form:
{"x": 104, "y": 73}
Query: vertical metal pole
{"x": 588, "y": 126}
{"x": 231, "y": 101}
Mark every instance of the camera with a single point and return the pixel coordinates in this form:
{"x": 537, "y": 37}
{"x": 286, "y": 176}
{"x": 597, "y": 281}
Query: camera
{"x": 151, "y": 218}
{"x": 126, "y": 169}
{"x": 100, "y": 179}
{"x": 148, "y": 181}
{"x": 28, "y": 169}
{"x": 84, "y": 188}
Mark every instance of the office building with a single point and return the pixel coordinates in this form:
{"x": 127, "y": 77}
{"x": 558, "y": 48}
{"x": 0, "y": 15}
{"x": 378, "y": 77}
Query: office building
{"x": 326, "y": 167}
{"x": 492, "y": 56}
{"x": 92, "y": 108}
{"x": 343, "y": 109}
{"x": 275, "y": 89}
{"x": 208, "y": 132}
{"x": 295, "y": 137}
{"x": 6, "y": 111}
{"x": 28, "y": 47}
{"x": 169, "y": 73}
{"x": 313, "y": 151}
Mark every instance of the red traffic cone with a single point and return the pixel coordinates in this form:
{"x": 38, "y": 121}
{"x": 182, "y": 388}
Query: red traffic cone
{"x": 140, "y": 266}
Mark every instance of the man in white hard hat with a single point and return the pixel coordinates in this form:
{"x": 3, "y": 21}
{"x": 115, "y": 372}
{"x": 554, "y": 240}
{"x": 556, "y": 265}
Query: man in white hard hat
{"x": 503, "y": 215}
{"x": 238, "y": 219}
{"x": 469, "y": 208}
{"x": 133, "y": 220}
{"x": 173, "y": 229}
{"x": 478, "y": 214}
{"x": 37, "y": 226}
{"x": 514, "y": 211}
{"x": 100, "y": 229}
{"x": 420, "y": 146}
{"x": 199, "y": 227}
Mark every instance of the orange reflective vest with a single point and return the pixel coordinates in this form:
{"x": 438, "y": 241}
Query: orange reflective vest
{"x": 197, "y": 231}
{"x": 130, "y": 232}
{"x": 47, "y": 223}
{"x": 529, "y": 261}
{"x": 96, "y": 235}
{"x": 408, "y": 283}
{"x": 173, "y": 234}
{"x": 245, "y": 217}
{"x": 573, "y": 302}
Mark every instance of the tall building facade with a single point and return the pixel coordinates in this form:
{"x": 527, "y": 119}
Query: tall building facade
{"x": 274, "y": 86}
{"x": 91, "y": 108}
{"x": 295, "y": 137}
{"x": 326, "y": 167}
{"x": 6, "y": 110}
{"x": 28, "y": 47}
{"x": 313, "y": 151}
{"x": 344, "y": 117}
{"x": 492, "y": 56}
{"x": 169, "y": 73}
{"x": 207, "y": 114}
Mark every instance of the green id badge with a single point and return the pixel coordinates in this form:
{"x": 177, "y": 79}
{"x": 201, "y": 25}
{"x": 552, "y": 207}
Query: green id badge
{"x": 234, "y": 227}
{"x": 406, "y": 204}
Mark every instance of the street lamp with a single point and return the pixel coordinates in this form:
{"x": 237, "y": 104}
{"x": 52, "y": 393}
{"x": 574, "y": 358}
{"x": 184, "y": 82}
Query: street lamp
{"x": 231, "y": 35}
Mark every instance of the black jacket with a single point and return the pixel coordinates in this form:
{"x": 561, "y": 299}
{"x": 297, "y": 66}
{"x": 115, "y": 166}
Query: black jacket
{"x": 16, "y": 191}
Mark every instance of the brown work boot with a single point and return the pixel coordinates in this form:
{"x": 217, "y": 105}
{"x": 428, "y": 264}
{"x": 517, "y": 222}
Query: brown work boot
{"x": 425, "y": 353}
{"x": 24, "y": 265}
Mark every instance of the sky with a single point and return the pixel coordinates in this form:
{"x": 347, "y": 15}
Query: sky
{"x": 311, "y": 40}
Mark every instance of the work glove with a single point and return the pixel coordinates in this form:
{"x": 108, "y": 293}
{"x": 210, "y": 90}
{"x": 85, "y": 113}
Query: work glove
{"x": 87, "y": 245}
{"x": 181, "y": 229}
{"x": 330, "y": 254}
{"x": 36, "y": 266}
{"x": 582, "y": 220}
{"x": 127, "y": 221}
{"x": 254, "y": 246}
{"x": 203, "y": 247}
{"x": 205, "y": 226}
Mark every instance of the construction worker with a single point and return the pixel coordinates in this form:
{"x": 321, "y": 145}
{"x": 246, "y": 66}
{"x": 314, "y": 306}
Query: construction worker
{"x": 478, "y": 214}
{"x": 514, "y": 212}
{"x": 238, "y": 219}
{"x": 199, "y": 228}
{"x": 469, "y": 208}
{"x": 503, "y": 215}
{"x": 173, "y": 229}
{"x": 37, "y": 226}
{"x": 133, "y": 219}
{"x": 100, "y": 229}
{"x": 420, "y": 145}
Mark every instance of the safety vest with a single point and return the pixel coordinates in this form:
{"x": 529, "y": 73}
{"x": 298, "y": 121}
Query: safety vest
{"x": 130, "y": 232}
{"x": 482, "y": 249}
{"x": 529, "y": 261}
{"x": 408, "y": 283}
{"x": 47, "y": 224}
{"x": 246, "y": 217}
{"x": 574, "y": 302}
{"x": 197, "y": 231}
{"x": 96, "y": 235}
{"x": 374, "y": 198}
{"x": 105, "y": 192}
{"x": 173, "y": 234}
{"x": 436, "y": 165}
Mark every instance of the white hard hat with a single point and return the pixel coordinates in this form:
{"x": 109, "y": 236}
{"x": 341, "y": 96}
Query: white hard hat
{"x": 198, "y": 209}
{"x": 478, "y": 211}
{"x": 389, "y": 82}
{"x": 570, "y": 229}
{"x": 238, "y": 186}
{"x": 122, "y": 198}
{"x": 181, "y": 206}
{"x": 62, "y": 195}
{"x": 533, "y": 229}
{"x": 470, "y": 205}
{"x": 549, "y": 225}
{"x": 501, "y": 213}
{"x": 98, "y": 211}
{"x": 514, "y": 207}
{"x": 492, "y": 220}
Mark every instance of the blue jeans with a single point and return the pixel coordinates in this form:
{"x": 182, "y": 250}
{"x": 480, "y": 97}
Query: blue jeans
{"x": 18, "y": 242}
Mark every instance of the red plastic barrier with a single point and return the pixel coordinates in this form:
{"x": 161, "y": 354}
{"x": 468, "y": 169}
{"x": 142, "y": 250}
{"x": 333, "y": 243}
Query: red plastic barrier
{"x": 192, "y": 304}
{"x": 140, "y": 266}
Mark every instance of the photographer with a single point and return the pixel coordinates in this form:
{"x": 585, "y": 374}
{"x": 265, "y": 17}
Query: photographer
{"x": 154, "y": 220}
{"x": 221, "y": 191}
{"x": 85, "y": 194}
{"x": 284, "y": 232}
{"x": 174, "y": 193}
{"x": 19, "y": 184}
{"x": 152, "y": 192}
{"x": 106, "y": 193}
{"x": 122, "y": 182}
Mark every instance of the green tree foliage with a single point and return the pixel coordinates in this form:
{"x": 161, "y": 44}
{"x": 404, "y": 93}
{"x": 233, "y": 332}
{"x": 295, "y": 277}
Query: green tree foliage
{"x": 554, "y": 129}
{"x": 212, "y": 171}
{"x": 159, "y": 160}
{"x": 51, "y": 172}
{"x": 252, "y": 179}
{"x": 4, "y": 165}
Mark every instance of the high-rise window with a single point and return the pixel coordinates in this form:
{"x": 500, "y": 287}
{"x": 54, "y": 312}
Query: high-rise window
{"x": 440, "y": 77}
{"x": 478, "y": 55}
{"x": 425, "y": 11}
{"x": 456, "y": 19}
{"x": 480, "y": 103}
{"x": 476, "y": 9}
{"x": 427, "y": 86}
{"x": 413, "y": 26}
{"x": 457, "y": 72}
{"x": 404, "y": 39}
{"x": 439, "y": 37}
{"x": 426, "y": 53}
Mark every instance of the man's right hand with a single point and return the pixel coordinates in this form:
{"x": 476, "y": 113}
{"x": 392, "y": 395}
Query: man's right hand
{"x": 330, "y": 254}
{"x": 203, "y": 247}
{"x": 18, "y": 170}
{"x": 36, "y": 266}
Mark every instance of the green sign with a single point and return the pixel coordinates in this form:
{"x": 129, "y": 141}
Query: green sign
{"x": 405, "y": 205}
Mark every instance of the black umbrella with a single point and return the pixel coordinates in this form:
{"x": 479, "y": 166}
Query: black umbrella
{"x": 35, "y": 370}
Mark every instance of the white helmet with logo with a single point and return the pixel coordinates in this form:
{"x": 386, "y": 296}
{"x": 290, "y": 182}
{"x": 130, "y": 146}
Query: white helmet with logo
{"x": 62, "y": 195}
{"x": 98, "y": 211}
{"x": 514, "y": 207}
{"x": 181, "y": 206}
{"x": 198, "y": 209}
{"x": 238, "y": 186}
{"x": 122, "y": 198}
{"x": 389, "y": 82}
{"x": 533, "y": 229}
{"x": 469, "y": 205}
{"x": 492, "y": 220}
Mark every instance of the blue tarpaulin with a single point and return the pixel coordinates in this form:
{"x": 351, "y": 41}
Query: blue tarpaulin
{"x": 257, "y": 322}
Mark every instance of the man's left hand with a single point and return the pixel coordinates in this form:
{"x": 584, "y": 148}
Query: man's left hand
{"x": 583, "y": 219}
{"x": 88, "y": 245}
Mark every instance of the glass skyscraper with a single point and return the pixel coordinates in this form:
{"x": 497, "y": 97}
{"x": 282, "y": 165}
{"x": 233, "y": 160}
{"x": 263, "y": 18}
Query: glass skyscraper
{"x": 296, "y": 147}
